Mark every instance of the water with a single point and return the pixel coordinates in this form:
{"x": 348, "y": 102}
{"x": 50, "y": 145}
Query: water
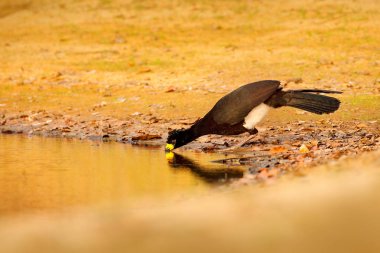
{"x": 39, "y": 174}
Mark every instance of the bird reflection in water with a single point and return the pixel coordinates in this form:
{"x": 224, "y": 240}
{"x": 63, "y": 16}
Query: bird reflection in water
{"x": 209, "y": 174}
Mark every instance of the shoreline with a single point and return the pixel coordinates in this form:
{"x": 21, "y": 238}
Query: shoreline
{"x": 276, "y": 149}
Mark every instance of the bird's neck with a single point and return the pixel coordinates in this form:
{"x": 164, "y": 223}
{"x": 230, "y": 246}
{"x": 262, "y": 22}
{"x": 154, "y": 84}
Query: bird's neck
{"x": 189, "y": 134}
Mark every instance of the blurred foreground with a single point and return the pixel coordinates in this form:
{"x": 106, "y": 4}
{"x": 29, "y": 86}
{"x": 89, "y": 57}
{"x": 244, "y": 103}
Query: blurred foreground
{"x": 333, "y": 209}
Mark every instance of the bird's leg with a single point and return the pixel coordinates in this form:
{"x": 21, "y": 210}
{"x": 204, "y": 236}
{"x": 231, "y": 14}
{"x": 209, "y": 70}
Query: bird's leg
{"x": 251, "y": 132}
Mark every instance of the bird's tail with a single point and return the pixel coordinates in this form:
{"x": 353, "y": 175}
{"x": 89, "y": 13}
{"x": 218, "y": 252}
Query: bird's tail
{"x": 309, "y": 101}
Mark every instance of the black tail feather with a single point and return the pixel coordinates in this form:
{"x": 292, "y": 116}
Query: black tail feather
{"x": 308, "y": 101}
{"x": 317, "y": 91}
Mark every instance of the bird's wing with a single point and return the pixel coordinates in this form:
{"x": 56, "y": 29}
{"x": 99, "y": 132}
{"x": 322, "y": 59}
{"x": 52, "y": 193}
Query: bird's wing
{"x": 232, "y": 108}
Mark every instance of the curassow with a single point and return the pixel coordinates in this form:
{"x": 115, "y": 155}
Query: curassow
{"x": 240, "y": 110}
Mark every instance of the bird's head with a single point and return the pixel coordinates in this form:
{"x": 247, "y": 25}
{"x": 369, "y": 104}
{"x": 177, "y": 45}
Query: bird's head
{"x": 177, "y": 138}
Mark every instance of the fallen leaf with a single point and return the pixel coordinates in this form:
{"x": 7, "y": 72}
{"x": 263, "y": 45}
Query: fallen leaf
{"x": 314, "y": 143}
{"x": 144, "y": 70}
{"x": 304, "y": 149}
{"x": 121, "y": 100}
{"x": 277, "y": 149}
{"x": 170, "y": 89}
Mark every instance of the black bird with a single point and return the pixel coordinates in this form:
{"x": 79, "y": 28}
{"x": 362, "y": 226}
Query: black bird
{"x": 240, "y": 110}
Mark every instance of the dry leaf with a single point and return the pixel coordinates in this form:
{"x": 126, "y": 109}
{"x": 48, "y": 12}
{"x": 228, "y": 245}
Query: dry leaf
{"x": 277, "y": 149}
{"x": 170, "y": 89}
{"x": 304, "y": 149}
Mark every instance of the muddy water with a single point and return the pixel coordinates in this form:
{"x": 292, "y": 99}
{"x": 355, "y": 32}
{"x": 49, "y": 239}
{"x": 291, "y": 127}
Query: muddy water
{"x": 39, "y": 174}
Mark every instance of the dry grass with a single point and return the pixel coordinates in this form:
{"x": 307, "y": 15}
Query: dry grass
{"x": 62, "y": 54}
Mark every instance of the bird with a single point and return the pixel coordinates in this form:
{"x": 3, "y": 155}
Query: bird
{"x": 242, "y": 109}
{"x": 208, "y": 173}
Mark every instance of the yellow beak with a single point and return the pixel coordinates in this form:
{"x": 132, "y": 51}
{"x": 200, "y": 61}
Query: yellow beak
{"x": 169, "y": 147}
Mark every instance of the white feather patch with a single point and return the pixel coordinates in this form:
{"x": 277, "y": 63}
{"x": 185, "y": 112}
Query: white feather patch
{"x": 255, "y": 116}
